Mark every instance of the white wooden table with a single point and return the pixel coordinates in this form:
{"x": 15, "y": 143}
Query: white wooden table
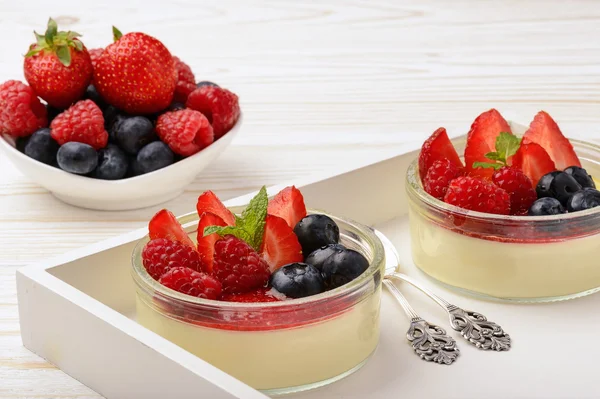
{"x": 322, "y": 86}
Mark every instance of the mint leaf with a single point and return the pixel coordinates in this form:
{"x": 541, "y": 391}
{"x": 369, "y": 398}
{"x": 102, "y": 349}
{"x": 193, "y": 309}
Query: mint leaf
{"x": 494, "y": 156}
{"x": 228, "y": 230}
{"x": 507, "y": 145}
{"x": 487, "y": 165}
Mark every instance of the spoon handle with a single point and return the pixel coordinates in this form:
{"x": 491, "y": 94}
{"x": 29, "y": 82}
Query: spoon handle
{"x": 440, "y": 301}
{"x": 410, "y": 312}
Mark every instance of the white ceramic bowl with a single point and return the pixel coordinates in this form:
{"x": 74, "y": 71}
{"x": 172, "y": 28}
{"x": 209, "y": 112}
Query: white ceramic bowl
{"x": 116, "y": 195}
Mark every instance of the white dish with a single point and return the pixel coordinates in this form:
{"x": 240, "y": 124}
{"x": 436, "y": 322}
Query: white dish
{"x": 117, "y": 195}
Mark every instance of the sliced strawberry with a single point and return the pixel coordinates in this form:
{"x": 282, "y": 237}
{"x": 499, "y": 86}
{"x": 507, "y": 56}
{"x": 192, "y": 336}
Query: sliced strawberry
{"x": 437, "y": 146}
{"x": 280, "y": 245}
{"x": 544, "y": 131}
{"x": 209, "y": 202}
{"x": 482, "y": 140}
{"x": 288, "y": 204}
{"x": 165, "y": 225}
{"x": 206, "y": 245}
{"x": 534, "y": 161}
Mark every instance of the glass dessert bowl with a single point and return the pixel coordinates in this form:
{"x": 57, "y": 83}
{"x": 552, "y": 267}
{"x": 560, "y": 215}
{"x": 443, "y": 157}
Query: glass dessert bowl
{"x": 519, "y": 258}
{"x": 276, "y": 347}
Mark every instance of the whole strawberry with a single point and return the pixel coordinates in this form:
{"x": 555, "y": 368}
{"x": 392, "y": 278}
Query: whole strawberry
{"x": 136, "y": 74}
{"x": 58, "y": 67}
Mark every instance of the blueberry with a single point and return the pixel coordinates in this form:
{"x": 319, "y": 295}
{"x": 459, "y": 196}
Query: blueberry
{"x": 543, "y": 187}
{"x": 343, "y": 267}
{"x": 42, "y": 147}
{"x": 77, "y": 158}
{"x": 111, "y": 114}
{"x": 92, "y": 94}
{"x": 112, "y": 163}
{"x": 175, "y": 107}
{"x": 21, "y": 142}
{"x": 581, "y": 175}
{"x": 206, "y": 83}
{"x": 319, "y": 256}
{"x": 563, "y": 187}
{"x": 154, "y": 156}
{"x": 316, "y": 231}
{"x": 298, "y": 280}
{"x": 52, "y": 112}
{"x": 546, "y": 206}
{"x": 134, "y": 167}
{"x": 584, "y": 199}
{"x": 133, "y": 132}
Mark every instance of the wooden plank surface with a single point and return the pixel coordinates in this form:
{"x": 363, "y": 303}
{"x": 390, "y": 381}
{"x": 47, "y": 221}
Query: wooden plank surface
{"x": 323, "y": 85}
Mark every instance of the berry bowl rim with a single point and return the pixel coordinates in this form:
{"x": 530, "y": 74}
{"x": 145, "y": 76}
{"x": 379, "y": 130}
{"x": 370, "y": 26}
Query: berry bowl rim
{"x": 374, "y": 272}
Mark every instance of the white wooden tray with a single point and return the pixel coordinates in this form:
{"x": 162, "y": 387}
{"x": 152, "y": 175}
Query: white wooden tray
{"x": 78, "y": 312}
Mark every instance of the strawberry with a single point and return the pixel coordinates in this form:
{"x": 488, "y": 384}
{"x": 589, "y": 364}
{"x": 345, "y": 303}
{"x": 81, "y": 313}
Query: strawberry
{"x": 288, "y": 204}
{"x": 206, "y": 244}
{"x": 518, "y": 186}
{"x": 136, "y": 74}
{"x": 481, "y": 140}
{"x": 208, "y": 202}
{"x": 437, "y": 146}
{"x": 58, "y": 67}
{"x": 544, "y": 131}
{"x": 534, "y": 161}
{"x": 477, "y": 195}
{"x": 280, "y": 245}
{"x": 165, "y": 225}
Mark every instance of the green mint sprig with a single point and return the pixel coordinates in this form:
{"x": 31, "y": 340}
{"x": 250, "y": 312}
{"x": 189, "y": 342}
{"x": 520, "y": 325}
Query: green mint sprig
{"x": 250, "y": 227}
{"x": 507, "y": 145}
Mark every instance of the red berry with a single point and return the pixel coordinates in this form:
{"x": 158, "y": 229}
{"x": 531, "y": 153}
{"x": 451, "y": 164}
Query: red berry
{"x": 161, "y": 254}
{"x": 186, "y": 81}
{"x": 439, "y": 176}
{"x": 478, "y": 195}
{"x": 206, "y": 244}
{"x": 136, "y": 74}
{"x": 185, "y": 131}
{"x": 21, "y": 112}
{"x": 534, "y": 161}
{"x": 191, "y": 282}
{"x": 280, "y": 244}
{"x": 544, "y": 131}
{"x": 83, "y": 122}
{"x": 518, "y": 186}
{"x": 259, "y": 295}
{"x": 95, "y": 54}
{"x": 482, "y": 140}
{"x": 209, "y": 202}
{"x": 437, "y": 146}
{"x": 61, "y": 71}
{"x": 238, "y": 267}
{"x": 288, "y": 204}
{"x": 219, "y": 105}
{"x": 165, "y": 225}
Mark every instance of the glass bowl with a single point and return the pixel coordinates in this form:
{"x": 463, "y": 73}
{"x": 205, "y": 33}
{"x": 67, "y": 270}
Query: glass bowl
{"x": 275, "y": 347}
{"x": 512, "y": 258}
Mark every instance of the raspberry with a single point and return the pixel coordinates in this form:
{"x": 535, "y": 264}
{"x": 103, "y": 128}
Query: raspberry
{"x": 95, "y": 53}
{"x": 259, "y": 295}
{"x": 219, "y": 105}
{"x": 186, "y": 81}
{"x": 191, "y": 282}
{"x": 83, "y": 122}
{"x": 518, "y": 186}
{"x": 160, "y": 255}
{"x": 439, "y": 176}
{"x": 238, "y": 267}
{"x": 21, "y": 112}
{"x": 478, "y": 195}
{"x": 185, "y": 131}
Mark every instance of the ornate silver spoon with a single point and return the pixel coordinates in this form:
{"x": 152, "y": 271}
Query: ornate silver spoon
{"x": 430, "y": 342}
{"x": 472, "y": 326}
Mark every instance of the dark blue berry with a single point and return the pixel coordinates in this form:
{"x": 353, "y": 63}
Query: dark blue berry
{"x": 584, "y": 199}
{"x": 52, "y": 112}
{"x": 21, "y": 142}
{"x": 42, "y": 147}
{"x": 176, "y": 107}
{"x": 92, "y": 94}
{"x": 319, "y": 256}
{"x": 206, "y": 83}
{"x": 77, "y": 158}
{"x": 154, "y": 156}
{"x": 134, "y": 167}
{"x": 110, "y": 117}
{"x": 316, "y": 231}
{"x": 298, "y": 280}
{"x": 581, "y": 175}
{"x": 112, "y": 163}
{"x": 546, "y": 206}
{"x": 543, "y": 187}
{"x": 343, "y": 267}
{"x": 563, "y": 186}
{"x": 133, "y": 132}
